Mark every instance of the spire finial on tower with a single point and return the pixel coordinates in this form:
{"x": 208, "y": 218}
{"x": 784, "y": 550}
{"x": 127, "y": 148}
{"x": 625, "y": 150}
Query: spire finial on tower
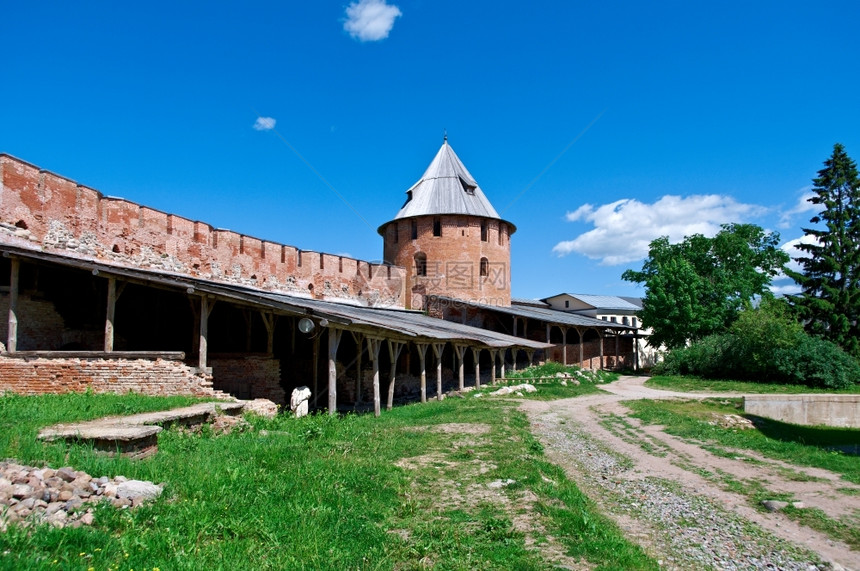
{"x": 445, "y": 138}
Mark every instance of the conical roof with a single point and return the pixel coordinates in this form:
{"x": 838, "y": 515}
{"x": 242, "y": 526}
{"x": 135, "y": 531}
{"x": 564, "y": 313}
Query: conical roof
{"x": 447, "y": 187}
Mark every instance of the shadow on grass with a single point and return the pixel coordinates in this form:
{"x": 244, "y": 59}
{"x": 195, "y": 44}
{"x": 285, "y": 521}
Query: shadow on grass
{"x": 845, "y": 440}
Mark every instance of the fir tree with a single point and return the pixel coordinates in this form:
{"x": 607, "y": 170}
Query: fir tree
{"x": 829, "y": 301}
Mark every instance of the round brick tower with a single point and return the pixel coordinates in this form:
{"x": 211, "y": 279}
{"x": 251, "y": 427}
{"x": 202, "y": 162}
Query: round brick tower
{"x": 450, "y": 237}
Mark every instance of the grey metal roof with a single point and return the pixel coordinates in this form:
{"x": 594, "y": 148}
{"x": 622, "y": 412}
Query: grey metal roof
{"x": 604, "y": 301}
{"x": 410, "y": 325}
{"x": 552, "y": 316}
{"x": 525, "y": 301}
{"x": 447, "y": 187}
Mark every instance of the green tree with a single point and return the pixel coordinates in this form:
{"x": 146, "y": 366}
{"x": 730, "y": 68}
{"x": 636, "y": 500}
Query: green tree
{"x": 697, "y": 287}
{"x": 830, "y": 281}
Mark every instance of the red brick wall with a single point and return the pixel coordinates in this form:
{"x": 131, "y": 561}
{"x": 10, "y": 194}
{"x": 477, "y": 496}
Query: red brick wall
{"x": 40, "y": 327}
{"x": 63, "y": 216}
{"x": 248, "y": 377}
{"x": 454, "y": 258}
{"x": 32, "y": 376}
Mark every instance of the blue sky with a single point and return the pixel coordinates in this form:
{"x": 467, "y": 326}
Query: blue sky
{"x": 594, "y": 127}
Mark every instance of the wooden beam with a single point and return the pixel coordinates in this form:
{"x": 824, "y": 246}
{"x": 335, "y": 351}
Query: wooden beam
{"x": 581, "y": 347}
{"x": 422, "y": 356}
{"x": 438, "y": 348}
{"x": 12, "y": 331}
{"x": 564, "y": 345}
{"x": 600, "y": 334}
{"x": 359, "y": 344}
{"x": 316, "y": 365}
{"x": 394, "y": 348}
{"x": 206, "y": 306}
{"x": 461, "y": 352}
{"x": 494, "y": 353}
{"x": 373, "y": 346}
{"x": 476, "y": 354}
{"x": 616, "y": 350}
{"x": 636, "y": 351}
{"x": 269, "y": 324}
{"x": 110, "y": 314}
{"x": 333, "y": 342}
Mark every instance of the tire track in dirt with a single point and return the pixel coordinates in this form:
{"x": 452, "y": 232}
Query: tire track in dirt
{"x": 674, "y": 460}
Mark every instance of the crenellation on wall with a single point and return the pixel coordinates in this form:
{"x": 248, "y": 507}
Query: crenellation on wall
{"x": 61, "y": 215}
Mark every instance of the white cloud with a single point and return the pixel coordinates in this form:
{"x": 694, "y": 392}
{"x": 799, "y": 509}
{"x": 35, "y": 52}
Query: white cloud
{"x": 264, "y": 123}
{"x": 784, "y": 285}
{"x": 370, "y": 20}
{"x": 802, "y": 206}
{"x": 624, "y": 229}
{"x": 790, "y": 249}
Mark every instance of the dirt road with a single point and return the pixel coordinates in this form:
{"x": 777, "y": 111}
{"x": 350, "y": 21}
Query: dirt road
{"x": 663, "y": 491}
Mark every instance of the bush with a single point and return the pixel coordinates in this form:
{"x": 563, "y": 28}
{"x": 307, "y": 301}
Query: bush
{"x": 765, "y": 345}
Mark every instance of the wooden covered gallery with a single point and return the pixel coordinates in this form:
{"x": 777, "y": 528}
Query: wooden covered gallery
{"x": 571, "y": 338}
{"x": 75, "y": 324}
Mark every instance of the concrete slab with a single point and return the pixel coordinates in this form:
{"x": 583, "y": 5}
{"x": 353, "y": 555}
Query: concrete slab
{"x": 838, "y": 410}
{"x": 136, "y": 435}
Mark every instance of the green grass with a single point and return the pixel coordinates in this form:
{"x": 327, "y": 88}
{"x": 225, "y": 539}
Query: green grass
{"x": 695, "y": 384}
{"x": 321, "y": 493}
{"x": 800, "y": 445}
{"x": 797, "y": 445}
{"x": 554, "y": 389}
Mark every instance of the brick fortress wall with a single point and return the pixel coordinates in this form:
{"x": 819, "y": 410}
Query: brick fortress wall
{"x": 44, "y": 211}
{"x": 160, "y": 377}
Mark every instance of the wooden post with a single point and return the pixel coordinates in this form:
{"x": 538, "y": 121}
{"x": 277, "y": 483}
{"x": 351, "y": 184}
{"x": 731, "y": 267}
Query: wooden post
{"x": 373, "y": 346}
{"x": 333, "y": 342}
{"x": 110, "y": 314}
{"x": 600, "y": 334}
{"x": 422, "y": 355}
{"x": 504, "y": 356}
{"x": 269, "y": 323}
{"x": 581, "y": 347}
{"x": 636, "y": 351}
{"x": 461, "y": 352}
{"x": 476, "y": 354}
{"x": 438, "y": 348}
{"x": 564, "y": 345}
{"x": 515, "y": 326}
{"x": 316, "y": 365}
{"x": 12, "y": 331}
{"x": 359, "y": 339}
{"x": 206, "y": 306}
{"x": 394, "y": 348}
{"x": 616, "y": 350}
{"x": 494, "y": 353}
{"x": 548, "y": 331}
{"x": 531, "y": 355}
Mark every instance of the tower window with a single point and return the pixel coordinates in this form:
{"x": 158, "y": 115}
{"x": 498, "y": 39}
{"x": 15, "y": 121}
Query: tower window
{"x": 469, "y": 188}
{"x": 437, "y": 226}
{"x": 501, "y": 232}
{"x": 414, "y": 229}
{"x": 420, "y": 264}
{"x": 485, "y": 267}
{"x": 395, "y": 234}
{"x": 483, "y": 231}
{"x": 566, "y": 303}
